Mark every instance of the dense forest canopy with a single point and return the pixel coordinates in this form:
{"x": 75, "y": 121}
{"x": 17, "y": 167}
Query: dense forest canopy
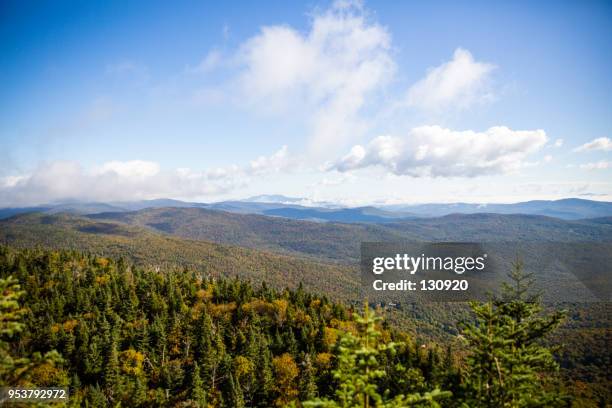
{"x": 119, "y": 334}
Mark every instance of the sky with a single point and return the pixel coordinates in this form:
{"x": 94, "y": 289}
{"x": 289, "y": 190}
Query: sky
{"x": 356, "y": 103}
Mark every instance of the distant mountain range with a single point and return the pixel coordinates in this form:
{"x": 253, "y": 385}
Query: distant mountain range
{"x": 339, "y": 241}
{"x": 198, "y": 236}
{"x": 302, "y": 209}
{"x": 568, "y": 209}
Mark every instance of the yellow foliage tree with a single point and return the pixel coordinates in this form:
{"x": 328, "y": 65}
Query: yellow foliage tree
{"x": 286, "y": 372}
{"x": 131, "y": 362}
{"x": 242, "y": 367}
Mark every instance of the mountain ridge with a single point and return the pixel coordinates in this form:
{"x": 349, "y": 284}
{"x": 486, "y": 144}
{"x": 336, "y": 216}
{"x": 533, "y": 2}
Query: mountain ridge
{"x": 339, "y": 242}
{"x": 294, "y": 208}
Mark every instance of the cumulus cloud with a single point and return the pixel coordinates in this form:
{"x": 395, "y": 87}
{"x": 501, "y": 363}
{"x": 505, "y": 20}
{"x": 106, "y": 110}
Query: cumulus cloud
{"x": 274, "y": 163}
{"x": 329, "y": 70}
{"x": 458, "y": 83}
{"x": 602, "y": 143}
{"x": 600, "y": 165}
{"x": 130, "y": 180}
{"x": 433, "y": 151}
{"x": 334, "y": 74}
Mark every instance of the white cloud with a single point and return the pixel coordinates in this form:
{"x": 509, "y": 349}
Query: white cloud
{"x": 10, "y": 181}
{"x": 275, "y": 163}
{"x": 602, "y": 143}
{"x": 458, "y": 83}
{"x": 558, "y": 143}
{"x": 211, "y": 61}
{"x": 433, "y": 151}
{"x": 334, "y": 74}
{"x": 337, "y": 181}
{"x": 600, "y": 165}
{"x": 129, "y": 169}
{"x": 131, "y": 180}
{"x": 328, "y": 71}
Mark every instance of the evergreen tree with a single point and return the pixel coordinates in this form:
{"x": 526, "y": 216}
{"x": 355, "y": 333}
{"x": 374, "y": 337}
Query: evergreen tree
{"x": 111, "y": 370}
{"x": 11, "y": 315}
{"x": 264, "y": 370}
{"x": 308, "y": 385}
{"x": 508, "y": 364}
{"x": 96, "y": 398}
{"x": 198, "y": 394}
{"x": 12, "y": 367}
{"x": 359, "y": 371}
{"x": 236, "y": 398}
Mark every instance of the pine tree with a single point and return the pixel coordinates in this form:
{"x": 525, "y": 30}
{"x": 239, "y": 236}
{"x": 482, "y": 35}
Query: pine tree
{"x": 13, "y": 368}
{"x": 290, "y": 342}
{"x": 198, "y": 394}
{"x": 235, "y": 393}
{"x": 508, "y": 363}
{"x": 308, "y": 385}
{"x": 359, "y": 371}
{"x": 95, "y": 398}
{"x": 265, "y": 383}
{"x": 111, "y": 370}
{"x": 139, "y": 394}
{"x": 11, "y": 315}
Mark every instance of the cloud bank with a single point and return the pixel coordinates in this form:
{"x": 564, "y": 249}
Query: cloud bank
{"x": 131, "y": 180}
{"x": 433, "y": 151}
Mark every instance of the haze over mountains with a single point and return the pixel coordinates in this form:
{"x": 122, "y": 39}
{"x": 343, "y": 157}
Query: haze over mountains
{"x": 303, "y": 209}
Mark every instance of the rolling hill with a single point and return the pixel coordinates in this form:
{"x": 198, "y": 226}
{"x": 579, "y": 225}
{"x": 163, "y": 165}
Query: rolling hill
{"x": 334, "y": 241}
{"x": 329, "y": 241}
{"x": 145, "y": 247}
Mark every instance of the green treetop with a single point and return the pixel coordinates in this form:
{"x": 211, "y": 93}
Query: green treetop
{"x": 508, "y": 364}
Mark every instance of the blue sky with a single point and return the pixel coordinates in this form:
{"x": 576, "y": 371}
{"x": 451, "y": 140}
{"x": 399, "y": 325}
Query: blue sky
{"x": 358, "y": 103}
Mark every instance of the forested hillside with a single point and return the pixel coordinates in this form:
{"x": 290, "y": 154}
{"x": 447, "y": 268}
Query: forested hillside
{"x": 585, "y": 359}
{"x": 119, "y": 335}
{"x": 148, "y": 248}
{"x": 64, "y": 231}
{"x": 332, "y": 241}
{"x": 340, "y": 242}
